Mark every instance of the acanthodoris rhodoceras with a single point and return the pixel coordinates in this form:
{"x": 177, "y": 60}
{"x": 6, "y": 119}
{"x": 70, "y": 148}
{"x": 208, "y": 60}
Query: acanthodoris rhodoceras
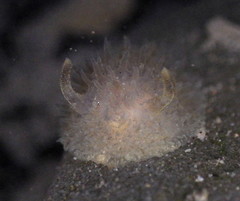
{"x": 131, "y": 109}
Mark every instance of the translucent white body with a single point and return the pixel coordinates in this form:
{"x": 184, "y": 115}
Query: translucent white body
{"x": 130, "y": 111}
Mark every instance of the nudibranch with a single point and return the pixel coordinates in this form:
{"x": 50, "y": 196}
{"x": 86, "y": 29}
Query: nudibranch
{"x": 129, "y": 110}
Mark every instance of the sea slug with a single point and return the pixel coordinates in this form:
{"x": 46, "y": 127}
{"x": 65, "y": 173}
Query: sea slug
{"x": 130, "y": 109}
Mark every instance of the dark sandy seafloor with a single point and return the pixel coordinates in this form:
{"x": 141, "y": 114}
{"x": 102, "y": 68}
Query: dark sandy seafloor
{"x": 207, "y": 170}
{"x": 200, "y": 170}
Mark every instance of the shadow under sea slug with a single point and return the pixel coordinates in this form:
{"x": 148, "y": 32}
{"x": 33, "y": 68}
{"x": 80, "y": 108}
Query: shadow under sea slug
{"x": 130, "y": 110}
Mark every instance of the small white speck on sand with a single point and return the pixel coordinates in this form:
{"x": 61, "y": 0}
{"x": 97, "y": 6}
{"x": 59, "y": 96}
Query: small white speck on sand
{"x": 220, "y": 161}
{"x": 199, "y": 179}
{"x": 188, "y": 150}
{"x": 201, "y": 134}
{"x": 229, "y": 132}
{"x": 236, "y": 135}
{"x": 198, "y": 196}
{"x": 218, "y": 120}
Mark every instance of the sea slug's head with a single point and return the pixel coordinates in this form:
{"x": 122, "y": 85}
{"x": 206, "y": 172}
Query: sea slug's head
{"x": 120, "y": 116}
{"x": 120, "y": 97}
